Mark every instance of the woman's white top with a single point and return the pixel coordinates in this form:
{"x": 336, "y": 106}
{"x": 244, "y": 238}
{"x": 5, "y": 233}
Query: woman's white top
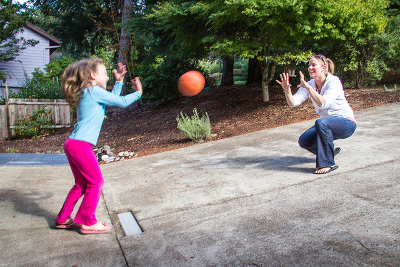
{"x": 335, "y": 104}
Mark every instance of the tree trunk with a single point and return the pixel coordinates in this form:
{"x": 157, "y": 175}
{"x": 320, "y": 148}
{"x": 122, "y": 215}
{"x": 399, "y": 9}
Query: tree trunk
{"x": 254, "y": 74}
{"x": 125, "y": 38}
{"x": 267, "y": 78}
{"x": 358, "y": 77}
{"x": 264, "y": 86}
{"x": 227, "y": 71}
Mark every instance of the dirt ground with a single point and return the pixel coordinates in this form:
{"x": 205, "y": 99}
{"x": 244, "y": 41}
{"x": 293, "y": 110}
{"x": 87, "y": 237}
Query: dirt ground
{"x": 233, "y": 110}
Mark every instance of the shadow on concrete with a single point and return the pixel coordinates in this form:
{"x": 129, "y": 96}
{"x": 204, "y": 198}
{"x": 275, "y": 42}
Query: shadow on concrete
{"x": 27, "y": 203}
{"x": 285, "y": 163}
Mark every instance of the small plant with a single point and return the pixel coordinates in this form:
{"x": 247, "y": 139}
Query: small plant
{"x": 194, "y": 127}
{"x": 35, "y": 124}
{"x": 11, "y": 150}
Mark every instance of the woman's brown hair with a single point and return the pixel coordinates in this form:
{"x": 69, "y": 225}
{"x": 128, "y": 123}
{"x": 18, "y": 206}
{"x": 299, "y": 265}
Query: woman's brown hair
{"x": 77, "y": 77}
{"x": 326, "y": 62}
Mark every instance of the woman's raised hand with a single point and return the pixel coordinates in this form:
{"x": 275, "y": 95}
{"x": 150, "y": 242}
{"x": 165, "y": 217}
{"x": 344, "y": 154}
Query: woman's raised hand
{"x": 303, "y": 82}
{"x": 284, "y": 82}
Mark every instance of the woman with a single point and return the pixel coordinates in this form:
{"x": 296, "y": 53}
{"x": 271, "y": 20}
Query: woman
{"x": 336, "y": 116}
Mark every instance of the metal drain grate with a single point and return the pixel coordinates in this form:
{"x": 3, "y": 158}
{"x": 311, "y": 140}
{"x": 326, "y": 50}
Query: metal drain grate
{"x": 129, "y": 223}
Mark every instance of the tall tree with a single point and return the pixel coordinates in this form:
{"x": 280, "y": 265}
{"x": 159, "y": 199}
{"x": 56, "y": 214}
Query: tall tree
{"x": 227, "y": 73}
{"x": 186, "y": 27}
{"x": 362, "y": 61}
{"x": 125, "y": 39}
{"x": 254, "y": 72}
{"x": 71, "y": 21}
{"x": 273, "y": 30}
{"x": 270, "y": 30}
{"x": 393, "y": 30}
{"x": 12, "y": 19}
{"x": 125, "y": 35}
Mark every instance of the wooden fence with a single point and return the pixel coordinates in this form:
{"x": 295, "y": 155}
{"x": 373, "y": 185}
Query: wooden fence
{"x": 20, "y": 107}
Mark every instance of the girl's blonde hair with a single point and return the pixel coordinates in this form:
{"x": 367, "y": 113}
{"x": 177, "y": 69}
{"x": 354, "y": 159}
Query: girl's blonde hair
{"x": 77, "y": 77}
{"x": 326, "y": 62}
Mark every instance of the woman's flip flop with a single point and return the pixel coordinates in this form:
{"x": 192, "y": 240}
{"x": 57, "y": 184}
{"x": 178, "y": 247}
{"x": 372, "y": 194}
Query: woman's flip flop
{"x": 332, "y": 168}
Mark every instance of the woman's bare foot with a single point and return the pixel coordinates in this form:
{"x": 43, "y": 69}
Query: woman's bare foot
{"x": 326, "y": 169}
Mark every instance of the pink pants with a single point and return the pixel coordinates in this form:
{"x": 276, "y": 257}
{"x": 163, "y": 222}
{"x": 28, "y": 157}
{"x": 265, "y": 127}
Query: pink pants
{"x": 88, "y": 182}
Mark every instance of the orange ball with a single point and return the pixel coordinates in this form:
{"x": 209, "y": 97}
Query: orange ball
{"x": 191, "y": 83}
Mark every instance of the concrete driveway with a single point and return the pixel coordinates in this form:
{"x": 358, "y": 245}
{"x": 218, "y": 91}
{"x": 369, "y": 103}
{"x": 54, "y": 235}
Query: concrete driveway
{"x": 250, "y": 200}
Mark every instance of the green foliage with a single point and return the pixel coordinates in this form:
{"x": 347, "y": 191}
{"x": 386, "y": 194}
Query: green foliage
{"x": 392, "y": 55}
{"x": 39, "y": 86}
{"x": 239, "y": 78}
{"x": 12, "y": 19}
{"x": 239, "y": 72}
{"x": 394, "y": 8}
{"x": 362, "y": 61}
{"x": 242, "y": 64}
{"x": 160, "y": 80}
{"x": 272, "y": 31}
{"x": 73, "y": 23}
{"x": 210, "y": 66}
{"x": 11, "y": 150}
{"x": 194, "y": 127}
{"x": 216, "y": 66}
{"x": 57, "y": 66}
{"x": 36, "y": 124}
{"x": 184, "y": 24}
{"x": 296, "y": 22}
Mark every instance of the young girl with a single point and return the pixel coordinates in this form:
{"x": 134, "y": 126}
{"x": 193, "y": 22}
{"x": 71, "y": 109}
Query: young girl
{"x": 84, "y": 84}
{"x": 337, "y": 118}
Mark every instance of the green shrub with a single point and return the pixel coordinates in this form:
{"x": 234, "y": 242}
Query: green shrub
{"x": 12, "y": 150}
{"x": 240, "y": 82}
{"x": 211, "y": 66}
{"x": 160, "y": 80}
{"x": 242, "y": 64}
{"x": 239, "y": 72}
{"x": 57, "y": 66}
{"x": 194, "y": 127}
{"x": 39, "y": 86}
{"x": 35, "y": 124}
{"x": 239, "y": 78}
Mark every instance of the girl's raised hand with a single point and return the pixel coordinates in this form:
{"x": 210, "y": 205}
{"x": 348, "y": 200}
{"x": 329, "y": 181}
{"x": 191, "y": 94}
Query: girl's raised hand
{"x": 120, "y": 73}
{"x": 284, "y": 82}
{"x": 137, "y": 85}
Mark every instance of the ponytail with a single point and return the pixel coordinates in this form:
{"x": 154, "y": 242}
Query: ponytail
{"x": 330, "y": 66}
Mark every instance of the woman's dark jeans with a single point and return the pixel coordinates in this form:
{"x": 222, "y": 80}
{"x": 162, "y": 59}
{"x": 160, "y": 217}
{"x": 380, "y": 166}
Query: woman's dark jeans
{"x": 319, "y": 138}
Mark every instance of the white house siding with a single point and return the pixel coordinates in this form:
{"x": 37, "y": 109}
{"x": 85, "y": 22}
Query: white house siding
{"x": 30, "y": 58}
